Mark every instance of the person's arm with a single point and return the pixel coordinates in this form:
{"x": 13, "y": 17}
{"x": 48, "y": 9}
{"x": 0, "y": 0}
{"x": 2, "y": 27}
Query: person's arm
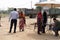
{"x": 52, "y": 24}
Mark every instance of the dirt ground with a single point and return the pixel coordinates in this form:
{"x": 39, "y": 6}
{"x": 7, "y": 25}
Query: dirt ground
{"x": 28, "y": 34}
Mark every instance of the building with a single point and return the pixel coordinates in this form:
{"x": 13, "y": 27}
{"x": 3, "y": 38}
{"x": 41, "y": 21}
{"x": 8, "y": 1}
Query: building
{"x": 50, "y": 5}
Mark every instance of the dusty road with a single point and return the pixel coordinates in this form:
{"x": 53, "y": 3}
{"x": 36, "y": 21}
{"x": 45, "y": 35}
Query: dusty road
{"x": 28, "y": 34}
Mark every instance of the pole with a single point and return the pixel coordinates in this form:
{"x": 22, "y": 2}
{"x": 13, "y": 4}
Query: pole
{"x": 52, "y": 6}
{"x": 31, "y": 4}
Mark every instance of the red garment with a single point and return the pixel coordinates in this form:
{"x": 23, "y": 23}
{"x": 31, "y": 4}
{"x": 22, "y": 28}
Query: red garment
{"x": 39, "y": 15}
{"x": 39, "y": 21}
{"x": 21, "y": 23}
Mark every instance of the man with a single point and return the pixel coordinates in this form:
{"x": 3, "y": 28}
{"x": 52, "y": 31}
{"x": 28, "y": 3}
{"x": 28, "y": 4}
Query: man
{"x": 56, "y": 26}
{"x": 13, "y": 17}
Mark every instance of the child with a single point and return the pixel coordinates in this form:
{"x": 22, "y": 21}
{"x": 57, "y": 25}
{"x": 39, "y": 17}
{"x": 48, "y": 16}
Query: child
{"x": 21, "y": 24}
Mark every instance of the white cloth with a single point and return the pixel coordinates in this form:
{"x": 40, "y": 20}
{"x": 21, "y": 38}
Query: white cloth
{"x": 13, "y": 15}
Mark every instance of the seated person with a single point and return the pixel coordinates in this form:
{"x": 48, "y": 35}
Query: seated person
{"x": 56, "y": 26}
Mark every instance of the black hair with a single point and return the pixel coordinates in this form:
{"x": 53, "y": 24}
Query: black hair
{"x": 15, "y": 9}
{"x": 54, "y": 18}
{"x": 44, "y": 14}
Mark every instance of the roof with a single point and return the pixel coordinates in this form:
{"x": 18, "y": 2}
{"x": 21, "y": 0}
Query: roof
{"x": 48, "y": 3}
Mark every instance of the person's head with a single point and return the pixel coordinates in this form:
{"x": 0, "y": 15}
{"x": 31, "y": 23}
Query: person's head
{"x": 44, "y": 12}
{"x": 54, "y": 19}
{"x": 21, "y": 13}
{"x": 15, "y": 9}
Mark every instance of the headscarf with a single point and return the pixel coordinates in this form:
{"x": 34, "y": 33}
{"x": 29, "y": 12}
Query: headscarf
{"x": 21, "y": 14}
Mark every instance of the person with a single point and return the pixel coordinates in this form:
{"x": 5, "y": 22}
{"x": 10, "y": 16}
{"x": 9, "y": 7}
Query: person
{"x": 44, "y": 21}
{"x": 22, "y": 21}
{"x": 39, "y": 22}
{"x": 56, "y": 26}
{"x": 13, "y": 17}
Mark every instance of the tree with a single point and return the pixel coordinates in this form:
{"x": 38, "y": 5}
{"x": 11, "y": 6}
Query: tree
{"x": 10, "y": 9}
{"x": 38, "y": 8}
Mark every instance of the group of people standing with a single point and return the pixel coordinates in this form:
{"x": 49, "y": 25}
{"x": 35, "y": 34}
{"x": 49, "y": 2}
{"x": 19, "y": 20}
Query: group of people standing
{"x": 41, "y": 21}
{"x": 14, "y": 15}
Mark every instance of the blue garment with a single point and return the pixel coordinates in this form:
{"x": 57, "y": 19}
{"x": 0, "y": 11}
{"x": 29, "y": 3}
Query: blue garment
{"x": 13, "y": 15}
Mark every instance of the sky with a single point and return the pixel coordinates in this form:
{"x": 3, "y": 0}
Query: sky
{"x": 4, "y": 4}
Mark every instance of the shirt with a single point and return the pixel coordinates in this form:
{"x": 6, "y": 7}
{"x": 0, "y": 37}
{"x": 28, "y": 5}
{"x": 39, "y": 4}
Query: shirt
{"x": 13, "y": 15}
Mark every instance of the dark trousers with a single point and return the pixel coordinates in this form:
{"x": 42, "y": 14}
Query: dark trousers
{"x": 56, "y": 29}
{"x": 13, "y": 21}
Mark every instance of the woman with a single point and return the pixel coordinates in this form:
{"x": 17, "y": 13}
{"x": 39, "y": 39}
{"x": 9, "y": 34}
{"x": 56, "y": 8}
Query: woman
{"x": 39, "y": 22}
{"x": 21, "y": 21}
{"x": 44, "y": 21}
